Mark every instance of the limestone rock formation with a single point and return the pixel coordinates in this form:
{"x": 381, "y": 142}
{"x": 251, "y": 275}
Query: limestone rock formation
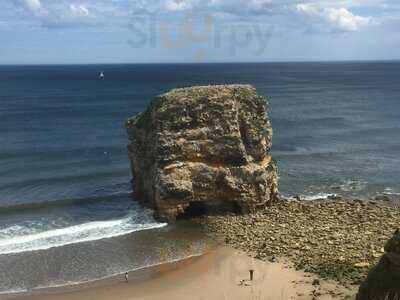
{"x": 203, "y": 149}
{"x": 383, "y": 281}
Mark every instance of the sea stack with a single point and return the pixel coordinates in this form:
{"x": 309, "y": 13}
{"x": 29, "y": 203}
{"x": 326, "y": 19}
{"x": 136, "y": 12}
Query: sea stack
{"x": 203, "y": 150}
{"x": 383, "y": 281}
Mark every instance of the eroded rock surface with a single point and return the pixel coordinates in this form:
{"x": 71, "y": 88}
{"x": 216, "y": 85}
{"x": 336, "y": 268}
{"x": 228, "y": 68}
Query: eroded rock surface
{"x": 383, "y": 281}
{"x": 203, "y": 149}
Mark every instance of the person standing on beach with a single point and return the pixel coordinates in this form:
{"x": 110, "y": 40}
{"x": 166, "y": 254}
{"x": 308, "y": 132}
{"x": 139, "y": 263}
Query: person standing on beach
{"x": 126, "y": 277}
{"x": 251, "y": 275}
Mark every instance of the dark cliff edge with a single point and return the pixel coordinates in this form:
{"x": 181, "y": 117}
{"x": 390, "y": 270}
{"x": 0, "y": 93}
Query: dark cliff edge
{"x": 383, "y": 281}
{"x": 203, "y": 150}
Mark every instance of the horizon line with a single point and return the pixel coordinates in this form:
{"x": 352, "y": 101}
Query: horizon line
{"x": 205, "y": 62}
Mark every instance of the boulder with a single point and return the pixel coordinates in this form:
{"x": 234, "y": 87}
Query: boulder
{"x": 203, "y": 150}
{"x": 383, "y": 281}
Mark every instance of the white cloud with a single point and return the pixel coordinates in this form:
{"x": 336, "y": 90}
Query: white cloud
{"x": 177, "y": 5}
{"x": 234, "y": 7}
{"x": 328, "y": 15}
{"x": 345, "y": 20}
{"x": 78, "y": 10}
{"x": 33, "y": 5}
{"x": 340, "y": 19}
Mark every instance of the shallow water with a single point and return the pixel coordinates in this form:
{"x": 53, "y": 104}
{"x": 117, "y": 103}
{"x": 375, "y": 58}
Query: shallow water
{"x": 96, "y": 259}
{"x": 66, "y": 211}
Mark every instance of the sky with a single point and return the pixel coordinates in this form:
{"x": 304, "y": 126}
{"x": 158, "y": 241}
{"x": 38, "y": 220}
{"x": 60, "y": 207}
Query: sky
{"x": 150, "y": 31}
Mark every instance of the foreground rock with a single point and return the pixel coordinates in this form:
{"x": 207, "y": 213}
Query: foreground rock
{"x": 335, "y": 239}
{"x": 203, "y": 149}
{"x": 383, "y": 282}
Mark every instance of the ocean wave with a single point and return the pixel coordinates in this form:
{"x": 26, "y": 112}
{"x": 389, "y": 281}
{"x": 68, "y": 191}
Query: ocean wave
{"x": 57, "y": 151}
{"x": 70, "y": 177}
{"x": 13, "y": 292}
{"x": 313, "y": 197}
{"x": 284, "y": 148}
{"x": 86, "y": 232}
{"x": 308, "y": 121}
{"x": 353, "y": 185}
{"x": 391, "y": 193}
{"x": 111, "y": 196}
{"x": 310, "y": 197}
{"x": 319, "y": 196}
{"x": 306, "y": 151}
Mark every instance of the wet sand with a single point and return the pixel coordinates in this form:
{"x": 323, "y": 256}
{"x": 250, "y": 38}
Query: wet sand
{"x": 215, "y": 275}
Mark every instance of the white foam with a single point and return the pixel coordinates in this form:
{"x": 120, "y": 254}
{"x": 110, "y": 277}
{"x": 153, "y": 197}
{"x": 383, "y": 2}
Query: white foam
{"x": 319, "y": 196}
{"x": 12, "y": 292}
{"x": 353, "y": 185}
{"x": 86, "y": 232}
{"x": 10, "y": 231}
{"x": 391, "y": 193}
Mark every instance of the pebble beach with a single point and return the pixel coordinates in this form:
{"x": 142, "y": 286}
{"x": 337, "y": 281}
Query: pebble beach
{"x": 339, "y": 240}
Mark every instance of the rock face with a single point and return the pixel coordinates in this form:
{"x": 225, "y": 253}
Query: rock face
{"x": 383, "y": 281}
{"x": 203, "y": 150}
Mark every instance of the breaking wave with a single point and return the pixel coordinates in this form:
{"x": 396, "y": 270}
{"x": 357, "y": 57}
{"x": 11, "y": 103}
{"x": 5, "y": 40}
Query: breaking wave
{"x": 91, "y": 231}
{"x": 319, "y": 196}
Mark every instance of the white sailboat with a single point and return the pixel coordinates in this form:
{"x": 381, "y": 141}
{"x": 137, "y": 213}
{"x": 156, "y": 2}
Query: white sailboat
{"x": 101, "y": 75}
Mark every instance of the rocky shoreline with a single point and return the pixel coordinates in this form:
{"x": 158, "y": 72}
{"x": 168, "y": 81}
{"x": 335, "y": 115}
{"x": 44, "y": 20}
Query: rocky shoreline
{"x": 339, "y": 240}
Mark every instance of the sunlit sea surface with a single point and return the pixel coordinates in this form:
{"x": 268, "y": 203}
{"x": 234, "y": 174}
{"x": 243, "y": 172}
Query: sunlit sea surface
{"x": 66, "y": 210}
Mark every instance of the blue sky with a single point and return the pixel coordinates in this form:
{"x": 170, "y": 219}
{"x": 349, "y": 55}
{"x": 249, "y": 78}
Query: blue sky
{"x": 122, "y": 31}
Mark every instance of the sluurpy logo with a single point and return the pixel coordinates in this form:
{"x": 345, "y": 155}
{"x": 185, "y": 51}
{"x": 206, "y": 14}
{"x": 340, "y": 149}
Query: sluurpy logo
{"x": 200, "y": 35}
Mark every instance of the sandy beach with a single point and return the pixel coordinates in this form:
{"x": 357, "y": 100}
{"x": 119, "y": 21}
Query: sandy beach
{"x": 215, "y": 275}
{"x": 336, "y": 239}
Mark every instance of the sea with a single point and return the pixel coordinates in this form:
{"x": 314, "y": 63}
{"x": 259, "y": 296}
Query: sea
{"x": 67, "y": 214}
